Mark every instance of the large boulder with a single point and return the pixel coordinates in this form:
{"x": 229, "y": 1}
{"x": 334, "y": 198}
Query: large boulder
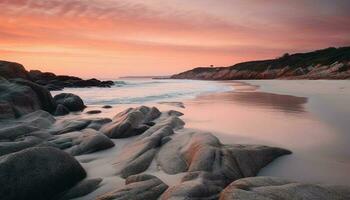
{"x": 272, "y": 188}
{"x": 46, "y": 101}
{"x": 70, "y": 101}
{"x": 210, "y": 165}
{"x": 10, "y": 70}
{"x": 19, "y": 97}
{"x": 131, "y": 122}
{"x": 38, "y": 173}
{"x": 138, "y": 187}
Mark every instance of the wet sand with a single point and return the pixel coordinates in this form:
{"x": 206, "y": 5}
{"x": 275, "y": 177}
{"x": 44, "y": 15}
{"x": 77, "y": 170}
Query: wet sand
{"x": 311, "y": 118}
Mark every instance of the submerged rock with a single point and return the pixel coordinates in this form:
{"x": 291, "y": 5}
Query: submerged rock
{"x": 70, "y": 101}
{"x": 138, "y": 187}
{"x": 131, "y": 122}
{"x": 38, "y": 173}
{"x": 91, "y": 112}
{"x": 271, "y": 188}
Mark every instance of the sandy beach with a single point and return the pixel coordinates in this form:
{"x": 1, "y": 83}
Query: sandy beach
{"x": 298, "y": 115}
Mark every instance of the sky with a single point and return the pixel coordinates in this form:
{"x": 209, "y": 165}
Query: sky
{"x": 112, "y": 38}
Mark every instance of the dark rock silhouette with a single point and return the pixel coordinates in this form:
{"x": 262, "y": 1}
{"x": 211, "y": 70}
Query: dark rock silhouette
{"x": 12, "y": 70}
{"x": 38, "y": 173}
{"x": 70, "y": 101}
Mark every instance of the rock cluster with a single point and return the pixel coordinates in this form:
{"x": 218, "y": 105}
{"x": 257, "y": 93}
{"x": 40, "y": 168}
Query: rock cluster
{"x": 11, "y": 70}
{"x": 19, "y": 97}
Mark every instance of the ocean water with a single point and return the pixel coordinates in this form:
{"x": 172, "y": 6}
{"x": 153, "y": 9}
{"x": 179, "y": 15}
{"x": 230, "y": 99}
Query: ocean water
{"x": 144, "y": 91}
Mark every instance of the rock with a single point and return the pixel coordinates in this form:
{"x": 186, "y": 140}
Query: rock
{"x": 96, "y": 124}
{"x": 83, "y": 188}
{"x": 90, "y": 141}
{"x": 61, "y": 110}
{"x": 271, "y": 188}
{"x": 211, "y": 165}
{"x": 38, "y": 173}
{"x": 11, "y": 70}
{"x": 19, "y": 97}
{"x": 18, "y": 145}
{"x": 91, "y": 112}
{"x": 66, "y": 126}
{"x": 71, "y": 101}
{"x": 196, "y": 185}
{"x": 35, "y": 121}
{"x": 46, "y": 101}
{"x": 138, "y": 155}
{"x": 131, "y": 122}
{"x": 107, "y": 106}
{"x": 138, "y": 187}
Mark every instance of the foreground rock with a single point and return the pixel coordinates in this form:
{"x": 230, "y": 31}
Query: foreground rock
{"x": 131, "y": 122}
{"x": 211, "y": 166}
{"x": 271, "y": 188}
{"x": 138, "y": 187}
{"x": 138, "y": 155}
{"x": 38, "y": 173}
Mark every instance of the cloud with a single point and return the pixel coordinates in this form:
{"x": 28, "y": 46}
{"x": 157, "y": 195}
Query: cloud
{"x": 224, "y": 31}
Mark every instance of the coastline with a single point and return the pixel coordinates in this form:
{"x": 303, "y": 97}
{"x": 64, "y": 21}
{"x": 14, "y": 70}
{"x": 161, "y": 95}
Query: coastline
{"x": 311, "y": 122}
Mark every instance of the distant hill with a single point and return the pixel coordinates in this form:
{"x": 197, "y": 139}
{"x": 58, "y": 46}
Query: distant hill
{"x": 330, "y": 63}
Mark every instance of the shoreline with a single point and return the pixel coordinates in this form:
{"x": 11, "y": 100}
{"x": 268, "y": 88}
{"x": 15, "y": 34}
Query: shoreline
{"x": 122, "y": 153}
{"x": 330, "y": 158}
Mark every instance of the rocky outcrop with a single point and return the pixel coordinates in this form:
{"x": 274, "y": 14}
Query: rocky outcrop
{"x": 71, "y": 101}
{"x": 271, "y": 188}
{"x": 131, "y": 122}
{"x": 11, "y": 70}
{"x": 51, "y": 81}
{"x": 38, "y": 173}
{"x": 138, "y": 187}
{"x": 331, "y": 63}
{"x": 20, "y": 97}
{"x": 210, "y": 165}
{"x": 138, "y": 155}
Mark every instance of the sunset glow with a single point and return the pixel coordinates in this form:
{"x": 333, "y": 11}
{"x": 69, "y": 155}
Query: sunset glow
{"x": 111, "y": 38}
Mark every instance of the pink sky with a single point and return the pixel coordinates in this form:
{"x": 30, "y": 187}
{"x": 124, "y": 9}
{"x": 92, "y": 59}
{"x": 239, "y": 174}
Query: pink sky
{"x": 112, "y": 38}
